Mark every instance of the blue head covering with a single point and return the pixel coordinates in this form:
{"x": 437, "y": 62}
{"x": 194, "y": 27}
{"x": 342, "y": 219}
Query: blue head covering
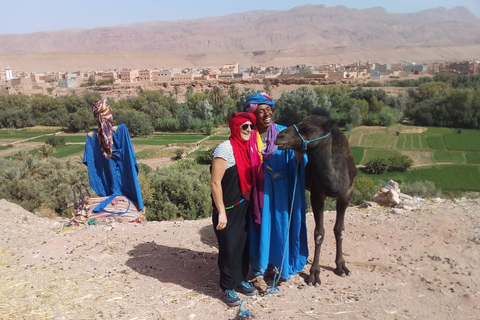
{"x": 255, "y": 99}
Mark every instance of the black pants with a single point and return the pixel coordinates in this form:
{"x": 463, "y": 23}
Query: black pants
{"x": 233, "y": 260}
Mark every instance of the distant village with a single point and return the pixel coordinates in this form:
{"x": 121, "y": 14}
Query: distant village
{"x": 21, "y": 82}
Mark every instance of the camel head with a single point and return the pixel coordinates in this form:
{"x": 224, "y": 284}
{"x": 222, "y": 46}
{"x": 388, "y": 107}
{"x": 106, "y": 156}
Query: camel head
{"x": 313, "y": 129}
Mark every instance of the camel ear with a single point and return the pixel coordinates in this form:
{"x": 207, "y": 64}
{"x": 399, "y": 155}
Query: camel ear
{"x": 329, "y": 125}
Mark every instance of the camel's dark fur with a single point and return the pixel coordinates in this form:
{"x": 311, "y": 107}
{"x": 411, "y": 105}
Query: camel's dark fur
{"x": 330, "y": 172}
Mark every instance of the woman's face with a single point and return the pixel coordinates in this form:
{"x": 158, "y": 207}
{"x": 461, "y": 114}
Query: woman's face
{"x": 246, "y": 130}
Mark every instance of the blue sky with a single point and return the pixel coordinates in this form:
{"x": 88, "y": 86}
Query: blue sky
{"x": 27, "y": 16}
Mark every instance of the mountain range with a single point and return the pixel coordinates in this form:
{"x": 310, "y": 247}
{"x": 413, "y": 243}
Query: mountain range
{"x": 311, "y": 34}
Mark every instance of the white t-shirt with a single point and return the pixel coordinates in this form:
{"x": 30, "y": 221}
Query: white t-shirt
{"x": 225, "y": 151}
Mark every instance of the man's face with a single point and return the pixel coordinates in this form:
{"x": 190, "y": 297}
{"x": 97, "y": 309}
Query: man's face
{"x": 264, "y": 116}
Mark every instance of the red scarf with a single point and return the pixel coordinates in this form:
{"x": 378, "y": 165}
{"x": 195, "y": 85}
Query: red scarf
{"x": 240, "y": 150}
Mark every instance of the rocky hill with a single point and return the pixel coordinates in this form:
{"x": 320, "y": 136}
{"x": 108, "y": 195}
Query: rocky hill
{"x": 305, "y": 34}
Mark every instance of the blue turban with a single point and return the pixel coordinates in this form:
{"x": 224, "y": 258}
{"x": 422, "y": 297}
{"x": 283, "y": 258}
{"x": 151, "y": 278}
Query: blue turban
{"x": 255, "y": 99}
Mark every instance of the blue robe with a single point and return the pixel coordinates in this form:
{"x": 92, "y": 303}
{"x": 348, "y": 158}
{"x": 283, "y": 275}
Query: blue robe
{"x": 267, "y": 246}
{"x": 116, "y": 176}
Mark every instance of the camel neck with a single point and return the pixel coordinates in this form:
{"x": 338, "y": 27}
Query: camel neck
{"x": 322, "y": 158}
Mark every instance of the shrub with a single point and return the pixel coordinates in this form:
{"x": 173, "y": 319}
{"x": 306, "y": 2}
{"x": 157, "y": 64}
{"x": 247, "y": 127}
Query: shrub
{"x": 376, "y": 166}
{"x": 169, "y": 125}
{"x": 204, "y": 157}
{"x": 364, "y": 189}
{"x": 180, "y": 193}
{"x": 55, "y": 141}
{"x": 426, "y": 189}
{"x": 179, "y": 154}
{"x": 399, "y": 162}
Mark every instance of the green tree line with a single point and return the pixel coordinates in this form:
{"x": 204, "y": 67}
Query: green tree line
{"x": 443, "y": 100}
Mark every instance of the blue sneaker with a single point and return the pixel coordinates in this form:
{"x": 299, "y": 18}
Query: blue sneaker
{"x": 247, "y": 289}
{"x": 231, "y": 298}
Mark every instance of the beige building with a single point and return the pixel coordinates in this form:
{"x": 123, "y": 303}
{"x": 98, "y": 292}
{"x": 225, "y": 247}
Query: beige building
{"x": 465, "y": 67}
{"x": 230, "y": 68}
{"x": 163, "y": 75}
{"x": 336, "y": 75}
{"x": 148, "y": 75}
{"x": 183, "y": 77}
{"x": 129, "y": 75}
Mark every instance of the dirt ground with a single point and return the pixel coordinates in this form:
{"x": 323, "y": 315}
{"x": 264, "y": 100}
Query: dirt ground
{"x": 417, "y": 264}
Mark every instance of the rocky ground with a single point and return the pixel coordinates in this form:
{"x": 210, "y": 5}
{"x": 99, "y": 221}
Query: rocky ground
{"x": 418, "y": 264}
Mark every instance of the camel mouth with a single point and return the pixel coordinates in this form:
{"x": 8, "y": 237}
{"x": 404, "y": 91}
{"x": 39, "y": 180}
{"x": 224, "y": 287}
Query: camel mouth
{"x": 282, "y": 146}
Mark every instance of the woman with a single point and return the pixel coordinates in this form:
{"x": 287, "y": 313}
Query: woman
{"x": 276, "y": 239}
{"x": 231, "y": 187}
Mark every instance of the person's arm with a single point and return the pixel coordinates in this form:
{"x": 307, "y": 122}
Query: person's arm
{"x": 298, "y": 156}
{"x": 219, "y": 166}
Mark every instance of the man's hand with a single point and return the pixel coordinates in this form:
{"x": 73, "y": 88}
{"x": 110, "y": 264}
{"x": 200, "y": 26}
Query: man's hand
{"x": 298, "y": 156}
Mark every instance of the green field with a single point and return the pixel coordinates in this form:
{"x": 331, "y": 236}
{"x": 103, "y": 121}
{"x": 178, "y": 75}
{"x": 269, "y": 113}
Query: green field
{"x": 430, "y": 149}
{"x": 465, "y": 141}
{"x": 21, "y": 134}
{"x": 68, "y": 150}
{"x": 410, "y": 141}
{"x": 371, "y": 153}
{"x": 379, "y": 141}
{"x": 447, "y": 156}
{"x": 218, "y": 138}
{"x": 358, "y": 153}
{"x": 168, "y": 138}
{"x": 451, "y": 177}
{"x": 6, "y": 147}
{"x": 445, "y": 177}
{"x": 473, "y": 157}
{"x": 68, "y": 138}
{"x": 436, "y": 142}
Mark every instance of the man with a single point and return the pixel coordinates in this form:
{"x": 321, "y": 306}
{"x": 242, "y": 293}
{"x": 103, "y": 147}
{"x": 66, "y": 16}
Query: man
{"x": 275, "y": 239}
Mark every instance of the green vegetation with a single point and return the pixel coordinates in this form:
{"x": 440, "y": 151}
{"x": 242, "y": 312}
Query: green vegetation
{"x": 451, "y": 177}
{"x": 443, "y": 114}
{"x": 410, "y": 141}
{"x": 447, "y": 156}
{"x": 68, "y": 150}
{"x": 180, "y": 193}
{"x": 358, "y": 153}
{"x": 473, "y": 157}
{"x": 20, "y": 134}
{"x": 465, "y": 141}
{"x": 6, "y": 147}
{"x": 436, "y": 143}
{"x": 167, "y": 138}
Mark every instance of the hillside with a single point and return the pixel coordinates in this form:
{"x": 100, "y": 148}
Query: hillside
{"x": 311, "y": 34}
{"x": 419, "y": 264}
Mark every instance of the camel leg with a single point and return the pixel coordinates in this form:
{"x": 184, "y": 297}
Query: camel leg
{"x": 339, "y": 229}
{"x": 317, "y": 200}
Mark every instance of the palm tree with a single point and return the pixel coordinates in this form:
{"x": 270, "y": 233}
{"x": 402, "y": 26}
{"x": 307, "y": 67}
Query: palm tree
{"x": 217, "y": 94}
{"x": 233, "y": 92}
{"x": 267, "y": 87}
{"x": 176, "y": 90}
{"x": 31, "y": 164}
{"x": 21, "y": 154}
{"x": 189, "y": 92}
{"x": 47, "y": 150}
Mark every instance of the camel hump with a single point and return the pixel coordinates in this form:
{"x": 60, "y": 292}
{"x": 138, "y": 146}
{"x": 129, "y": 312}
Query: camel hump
{"x": 320, "y": 112}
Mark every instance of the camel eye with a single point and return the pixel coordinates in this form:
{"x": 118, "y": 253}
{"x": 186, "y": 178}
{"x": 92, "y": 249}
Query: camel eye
{"x": 306, "y": 130}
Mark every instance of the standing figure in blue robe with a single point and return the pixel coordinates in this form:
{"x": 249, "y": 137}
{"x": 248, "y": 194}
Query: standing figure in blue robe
{"x": 276, "y": 239}
{"x": 110, "y": 158}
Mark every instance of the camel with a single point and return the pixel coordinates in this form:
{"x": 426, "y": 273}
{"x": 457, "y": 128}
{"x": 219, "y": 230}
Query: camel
{"x": 330, "y": 172}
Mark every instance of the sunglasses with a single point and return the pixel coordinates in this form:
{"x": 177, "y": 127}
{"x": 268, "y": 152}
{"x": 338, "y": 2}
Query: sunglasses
{"x": 246, "y": 125}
